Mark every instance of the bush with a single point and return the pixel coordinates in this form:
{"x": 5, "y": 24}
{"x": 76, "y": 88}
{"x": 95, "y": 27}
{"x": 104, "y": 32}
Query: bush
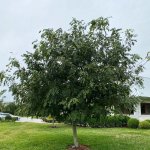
{"x": 102, "y": 121}
{"x": 94, "y": 123}
{"x": 108, "y": 121}
{"x": 14, "y": 118}
{"x": 144, "y": 125}
{"x": 133, "y": 123}
{"x": 8, "y": 118}
{"x": 48, "y": 119}
{"x": 120, "y": 120}
{"x": 125, "y": 120}
{"x": 148, "y": 120}
{"x": 117, "y": 121}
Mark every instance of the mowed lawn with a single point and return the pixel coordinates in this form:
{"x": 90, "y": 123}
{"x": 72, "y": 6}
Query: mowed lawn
{"x": 33, "y": 136}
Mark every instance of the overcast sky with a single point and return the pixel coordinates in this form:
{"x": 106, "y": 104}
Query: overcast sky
{"x": 21, "y": 20}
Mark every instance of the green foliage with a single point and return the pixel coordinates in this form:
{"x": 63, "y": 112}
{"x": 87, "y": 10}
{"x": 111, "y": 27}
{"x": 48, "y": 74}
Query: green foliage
{"x": 1, "y": 106}
{"x": 14, "y": 119}
{"x": 94, "y": 123}
{"x": 10, "y": 107}
{"x": 124, "y": 119}
{"x": 148, "y": 120}
{"x": 133, "y": 123}
{"x": 105, "y": 121}
{"x": 49, "y": 119}
{"x": 87, "y": 71}
{"x": 111, "y": 121}
{"x": 8, "y": 118}
{"x": 148, "y": 56}
{"x": 2, "y": 76}
{"x": 144, "y": 125}
{"x": 89, "y": 67}
{"x": 116, "y": 121}
{"x": 1, "y": 99}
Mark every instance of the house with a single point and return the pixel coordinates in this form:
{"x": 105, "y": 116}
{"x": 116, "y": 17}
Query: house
{"x": 142, "y": 110}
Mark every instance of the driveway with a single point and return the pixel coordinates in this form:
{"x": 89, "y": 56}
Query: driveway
{"x": 29, "y": 119}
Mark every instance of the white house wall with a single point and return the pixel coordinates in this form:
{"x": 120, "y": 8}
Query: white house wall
{"x": 137, "y": 114}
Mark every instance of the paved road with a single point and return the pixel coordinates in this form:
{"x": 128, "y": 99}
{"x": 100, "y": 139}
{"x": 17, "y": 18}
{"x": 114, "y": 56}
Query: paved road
{"x": 29, "y": 119}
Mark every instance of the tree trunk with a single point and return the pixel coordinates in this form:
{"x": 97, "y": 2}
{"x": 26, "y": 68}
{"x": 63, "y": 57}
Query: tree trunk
{"x": 53, "y": 122}
{"x": 75, "y": 138}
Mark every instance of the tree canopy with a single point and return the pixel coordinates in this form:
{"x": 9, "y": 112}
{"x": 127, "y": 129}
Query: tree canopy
{"x": 2, "y": 76}
{"x": 84, "y": 71}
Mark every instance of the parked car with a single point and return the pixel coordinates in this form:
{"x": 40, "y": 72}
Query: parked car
{"x": 3, "y": 116}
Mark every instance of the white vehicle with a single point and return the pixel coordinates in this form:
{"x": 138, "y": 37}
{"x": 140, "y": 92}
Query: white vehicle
{"x": 3, "y": 115}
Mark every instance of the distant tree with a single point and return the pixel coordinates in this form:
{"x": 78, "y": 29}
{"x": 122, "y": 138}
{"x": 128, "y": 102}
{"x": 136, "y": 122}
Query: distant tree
{"x": 85, "y": 71}
{"x": 2, "y": 76}
{"x": 1, "y": 100}
{"x": 1, "y": 105}
{"x": 10, "y": 107}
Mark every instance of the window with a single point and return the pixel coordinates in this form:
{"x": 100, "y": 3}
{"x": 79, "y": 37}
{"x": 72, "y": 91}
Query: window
{"x": 145, "y": 108}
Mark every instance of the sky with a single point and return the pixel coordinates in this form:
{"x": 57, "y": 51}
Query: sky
{"x": 21, "y": 21}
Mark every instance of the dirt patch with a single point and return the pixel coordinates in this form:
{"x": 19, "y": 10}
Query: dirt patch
{"x": 81, "y": 147}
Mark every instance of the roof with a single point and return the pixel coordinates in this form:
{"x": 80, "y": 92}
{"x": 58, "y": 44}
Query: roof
{"x": 143, "y": 98}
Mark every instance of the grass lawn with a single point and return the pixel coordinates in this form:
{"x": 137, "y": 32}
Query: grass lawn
{"x": 32, "y": 136}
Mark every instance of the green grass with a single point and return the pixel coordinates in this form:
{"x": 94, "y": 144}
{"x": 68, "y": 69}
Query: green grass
{"x": 32, "y": 136}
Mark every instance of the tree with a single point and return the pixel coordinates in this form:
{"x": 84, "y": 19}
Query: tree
{"x": 10, "y": 107}
{"x": 1, "y": 100}
{"x": 2, "y": 76}
{"x": 85, "y": 71}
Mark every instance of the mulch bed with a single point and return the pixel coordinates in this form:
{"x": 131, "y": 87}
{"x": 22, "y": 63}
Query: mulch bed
{"x": 81, "y": 147}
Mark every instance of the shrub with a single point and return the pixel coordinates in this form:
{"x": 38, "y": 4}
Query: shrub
{"x": 44, "y": 119}
{"x": 8, "y": 118}
{"x": 14, "y": 118}
{"x": 108, "y": 121}
{"x": 133, "y": 123}
{"x": 147, "y": 120}
{"x": 94, "y": 122}
{"x": 103, "y": 121}
{"x": 48, "y": 119}
{"x": 144, "y": 125}
{"x": 125, "y": 121}
{"x": 116, "y": 121}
